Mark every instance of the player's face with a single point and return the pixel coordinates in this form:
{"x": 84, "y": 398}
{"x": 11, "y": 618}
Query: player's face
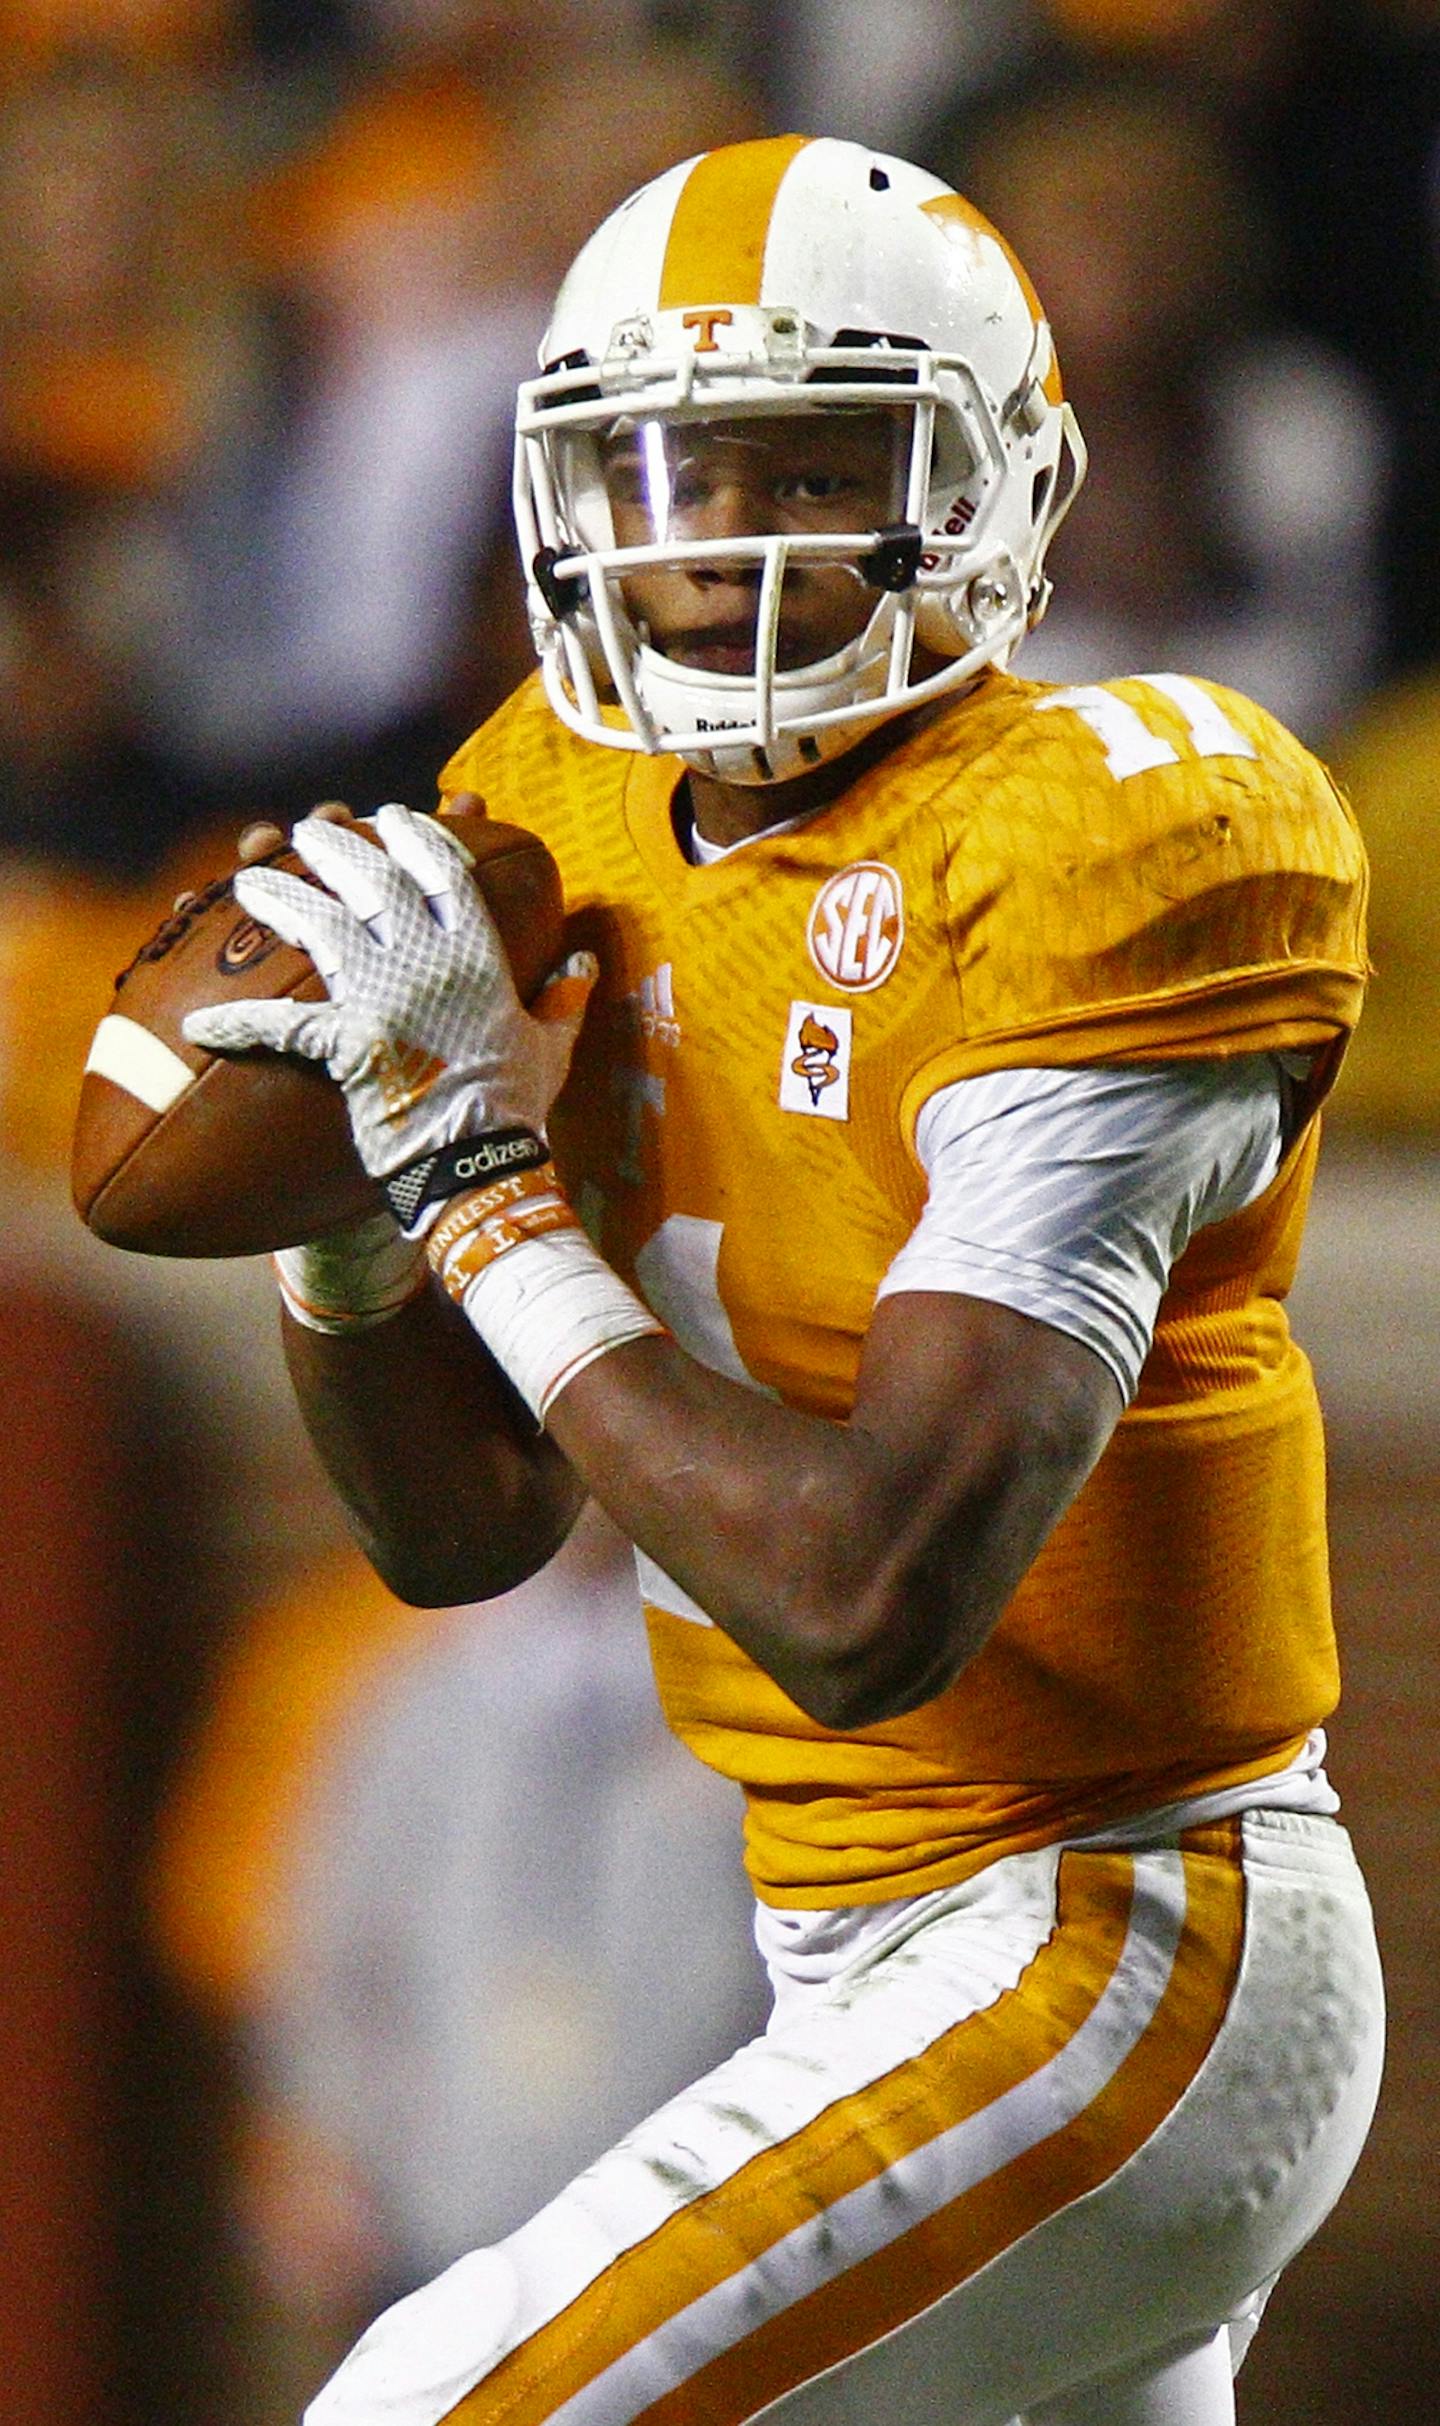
{"x": 802, "y": 473}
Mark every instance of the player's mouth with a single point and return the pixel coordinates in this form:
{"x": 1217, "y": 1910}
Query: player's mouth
{"x": 730, "y": 648}
{"x": 719, "y": 648}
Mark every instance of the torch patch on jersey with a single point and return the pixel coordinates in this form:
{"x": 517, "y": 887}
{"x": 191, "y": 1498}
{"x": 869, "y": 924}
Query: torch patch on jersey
{"x": 857, "y": 926}
{"x": 815, "y": 1070}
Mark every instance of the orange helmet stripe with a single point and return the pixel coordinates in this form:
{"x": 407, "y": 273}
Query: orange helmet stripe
{"x": 716, "y": 247}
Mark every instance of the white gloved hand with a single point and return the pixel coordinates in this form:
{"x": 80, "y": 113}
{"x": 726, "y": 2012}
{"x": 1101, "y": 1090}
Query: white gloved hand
{"x": 449, "y": 1080}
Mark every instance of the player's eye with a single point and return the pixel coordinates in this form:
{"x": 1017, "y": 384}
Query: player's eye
{"x": 690, "y": 486}
{"x": 625, "y": 479}
{"x": 811, "y": 488}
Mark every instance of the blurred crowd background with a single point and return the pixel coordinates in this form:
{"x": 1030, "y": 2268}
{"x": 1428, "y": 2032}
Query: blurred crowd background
{"x": 334, "y": 1935}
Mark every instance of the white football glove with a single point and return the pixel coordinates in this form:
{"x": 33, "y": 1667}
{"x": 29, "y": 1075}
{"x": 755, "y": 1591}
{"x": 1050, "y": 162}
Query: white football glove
{"x": 448, "y": 1079}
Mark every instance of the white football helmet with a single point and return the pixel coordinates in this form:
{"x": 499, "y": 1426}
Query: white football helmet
{"x": 790, "y": 277}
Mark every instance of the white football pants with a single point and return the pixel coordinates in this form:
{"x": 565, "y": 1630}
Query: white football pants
{"x": 1038, "y": 2160}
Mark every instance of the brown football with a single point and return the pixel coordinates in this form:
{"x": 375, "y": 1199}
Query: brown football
{"x": 181, "y": 1152}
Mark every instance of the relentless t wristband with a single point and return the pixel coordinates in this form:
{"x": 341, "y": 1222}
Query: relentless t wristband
{"x": 471, "y": 1162}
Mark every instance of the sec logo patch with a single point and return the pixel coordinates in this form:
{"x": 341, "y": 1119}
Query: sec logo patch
{"x": 857, "y": 926}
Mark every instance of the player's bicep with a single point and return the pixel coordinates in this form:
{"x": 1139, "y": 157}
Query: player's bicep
{"x": 1010, "y": 1331}
{"x": 985, "y": 1407}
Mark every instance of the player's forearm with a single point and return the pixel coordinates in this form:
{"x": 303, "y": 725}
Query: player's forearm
{"x": 451, "y": 1489}
{"x": 859, "y": 1588}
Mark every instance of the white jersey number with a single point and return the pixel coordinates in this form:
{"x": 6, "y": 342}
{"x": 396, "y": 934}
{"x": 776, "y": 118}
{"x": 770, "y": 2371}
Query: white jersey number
{"x": 678, "y": 1269}
{"x": 1130, "y": 747}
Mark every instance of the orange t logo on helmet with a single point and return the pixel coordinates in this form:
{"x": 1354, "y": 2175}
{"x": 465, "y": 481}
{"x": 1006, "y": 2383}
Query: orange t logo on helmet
{"x": 707, "y": 323}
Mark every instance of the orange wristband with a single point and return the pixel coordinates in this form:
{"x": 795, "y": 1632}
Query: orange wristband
{"x": 516, "y": 1258}
{"x": 486, "y": 1222}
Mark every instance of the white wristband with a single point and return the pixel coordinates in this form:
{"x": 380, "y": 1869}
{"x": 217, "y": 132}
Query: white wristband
{"x": 548, "y": 1308}
{"x": 354, "y": 1278}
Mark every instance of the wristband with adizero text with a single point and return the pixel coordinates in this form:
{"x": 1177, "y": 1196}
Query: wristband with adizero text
{"x": 471, "y": 1162}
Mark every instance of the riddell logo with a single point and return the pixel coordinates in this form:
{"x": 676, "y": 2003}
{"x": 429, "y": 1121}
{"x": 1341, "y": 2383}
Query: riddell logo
{"x": 957, "y": 522}
{"x": 857, "y": 926}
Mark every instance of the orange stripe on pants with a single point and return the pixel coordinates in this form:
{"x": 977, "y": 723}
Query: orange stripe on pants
{"x": 949, "y": 2247}
{"x": 854, "y": 2144}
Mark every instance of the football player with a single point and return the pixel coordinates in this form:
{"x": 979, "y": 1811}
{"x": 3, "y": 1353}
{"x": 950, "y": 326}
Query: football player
{"x": 887, "y": 1215}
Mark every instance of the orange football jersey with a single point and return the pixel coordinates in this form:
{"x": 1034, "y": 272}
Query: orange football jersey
{"x": 1136, "y": 871}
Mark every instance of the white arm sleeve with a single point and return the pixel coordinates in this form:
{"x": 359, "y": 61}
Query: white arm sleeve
{"x": 1069, "y": 1194}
